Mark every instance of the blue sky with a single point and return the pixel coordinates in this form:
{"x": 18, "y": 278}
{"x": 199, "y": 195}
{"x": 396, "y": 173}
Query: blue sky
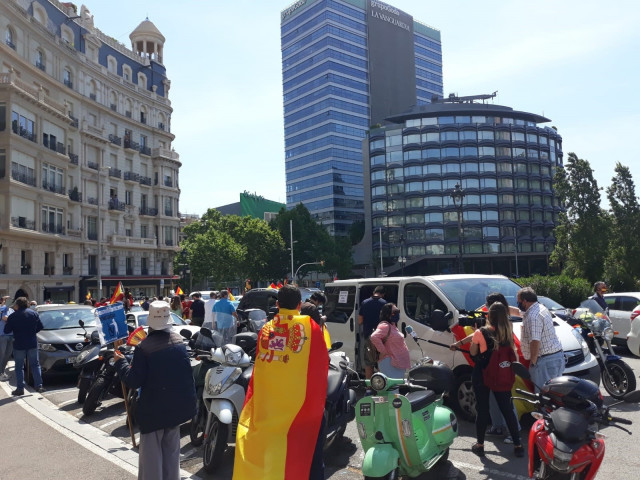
{"x": 575, "y": 62}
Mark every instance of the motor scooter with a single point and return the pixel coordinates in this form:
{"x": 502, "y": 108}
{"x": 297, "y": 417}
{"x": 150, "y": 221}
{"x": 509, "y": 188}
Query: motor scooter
{"x": 617, "y": 376}
{"x": 341, "y": 400}
{"x": 87, "y": 361}
{"x": 564, "y": 442}
{"x": 223, "y": 398}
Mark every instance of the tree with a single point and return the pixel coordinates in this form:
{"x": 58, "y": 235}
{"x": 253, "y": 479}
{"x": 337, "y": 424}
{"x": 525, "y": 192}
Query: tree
{"x": 229, "y": 247}
{"x": 581, "y": 232}
{"x": 312, "y": 241}
{"x": 623, "y": 256}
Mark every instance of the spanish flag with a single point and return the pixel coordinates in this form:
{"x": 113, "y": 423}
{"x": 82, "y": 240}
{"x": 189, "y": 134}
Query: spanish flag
{"x": 179, "y": 291}
{"x": 280, "y": 421}
{"x": 231, "y": 297}
{"x": 273, "y": 285}
{"x": 280, "y": 285}
{"x": 118, "y": 294}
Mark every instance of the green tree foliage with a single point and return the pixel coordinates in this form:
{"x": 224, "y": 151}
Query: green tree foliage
{"x": 582, "y": 231}
{"x": 229, "y": 247}
{"x": 567, "y": 291}
{"x": 313, "y": 243}
{"x": 622, "y": 262}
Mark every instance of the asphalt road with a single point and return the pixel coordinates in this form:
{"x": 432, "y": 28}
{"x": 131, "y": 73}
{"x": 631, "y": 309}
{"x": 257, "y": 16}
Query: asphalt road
{"x": 343, "y": 460}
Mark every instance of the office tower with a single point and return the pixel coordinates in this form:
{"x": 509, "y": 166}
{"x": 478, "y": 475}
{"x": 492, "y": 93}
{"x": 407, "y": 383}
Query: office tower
{"x": 346, "y": 66}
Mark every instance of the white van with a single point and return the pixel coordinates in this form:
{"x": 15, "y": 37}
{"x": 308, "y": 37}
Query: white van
{"x": 432, "y": 305}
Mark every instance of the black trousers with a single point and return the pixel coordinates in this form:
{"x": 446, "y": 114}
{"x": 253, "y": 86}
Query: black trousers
{"x": 503, "y": 399}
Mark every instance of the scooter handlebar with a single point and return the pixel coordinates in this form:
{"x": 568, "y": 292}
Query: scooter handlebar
{"x": 526, "y": 393}
{"x": 623, "y": 421}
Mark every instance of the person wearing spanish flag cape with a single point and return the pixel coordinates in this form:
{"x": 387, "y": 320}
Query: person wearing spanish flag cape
{"x": 279, "y": 434}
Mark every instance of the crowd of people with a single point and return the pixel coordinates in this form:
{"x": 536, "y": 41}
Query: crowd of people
{"x": 161, "y": 368}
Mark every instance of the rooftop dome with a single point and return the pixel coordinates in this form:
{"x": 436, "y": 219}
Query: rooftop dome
{"x": 147, "y": 29}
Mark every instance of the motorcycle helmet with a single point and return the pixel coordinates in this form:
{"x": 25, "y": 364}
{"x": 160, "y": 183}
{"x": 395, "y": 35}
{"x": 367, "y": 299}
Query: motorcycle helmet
{"x": 572, "y": 392}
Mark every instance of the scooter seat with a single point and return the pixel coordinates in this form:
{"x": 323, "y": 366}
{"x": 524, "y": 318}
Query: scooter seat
{"x": 421, "y": 399}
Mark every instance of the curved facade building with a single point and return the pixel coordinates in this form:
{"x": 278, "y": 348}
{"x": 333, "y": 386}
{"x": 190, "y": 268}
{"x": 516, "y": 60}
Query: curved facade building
{"x": 503, "y": 159}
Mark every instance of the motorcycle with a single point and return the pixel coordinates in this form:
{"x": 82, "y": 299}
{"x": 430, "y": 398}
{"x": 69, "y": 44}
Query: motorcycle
{"x": 617, "y": 377}
{"x": 87, "y": 361}
{"x": 564, "y": 442}
{"x": 404, "y": 427}
{"x": 107, "y": 380}
{"x": 250, "y": 322}
{"x": 201, "y": 345}
{"x": 223, "y": 398}
{"x": 341, "y": 400}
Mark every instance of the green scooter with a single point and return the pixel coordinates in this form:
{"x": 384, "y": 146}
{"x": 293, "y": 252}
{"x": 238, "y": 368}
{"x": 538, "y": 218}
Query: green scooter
{"x": 404, "y": 427}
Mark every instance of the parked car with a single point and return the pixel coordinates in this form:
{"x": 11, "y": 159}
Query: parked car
{"x": 621, "y": 304}
{"x": 633, "y": 337}
{"x": 62, "y": 338}
{"x": 555, "y": 308}
{"x": 204, "y": 294}
{"x": 262, "y": 298}
{"x": 139, "y": 319}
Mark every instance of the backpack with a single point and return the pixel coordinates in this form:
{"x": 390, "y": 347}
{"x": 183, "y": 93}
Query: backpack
{"x": 498, "y": 375}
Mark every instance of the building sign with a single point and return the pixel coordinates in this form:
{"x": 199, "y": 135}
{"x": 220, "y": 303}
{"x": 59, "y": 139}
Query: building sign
{"x": 390, "y": 14}
{"x": 288, "y": 11}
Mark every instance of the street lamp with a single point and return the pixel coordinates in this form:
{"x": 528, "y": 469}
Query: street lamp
{"x": 547, "y": 247}
{"x": 292, "y": 242}
{"x": 457, "y": 195}
{"x": 321, "y": 262}
{"x": 402, "y": 259}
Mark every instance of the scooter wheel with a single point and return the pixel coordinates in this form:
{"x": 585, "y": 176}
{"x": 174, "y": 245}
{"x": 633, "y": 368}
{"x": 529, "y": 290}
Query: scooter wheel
{"x": 94, "y": 396}
{"x": 83, "y": 389}
{"x": 198, "y": 423}
{"x": 215, "y": 444}
{"x": 618, "y": 379}
{"x": 392, "y": 475}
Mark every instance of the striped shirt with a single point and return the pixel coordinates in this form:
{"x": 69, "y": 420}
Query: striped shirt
{"x": 537, "y": 324}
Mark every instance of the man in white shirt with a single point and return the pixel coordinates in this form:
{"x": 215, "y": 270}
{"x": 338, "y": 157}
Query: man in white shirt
{"x": 208, "y": 310}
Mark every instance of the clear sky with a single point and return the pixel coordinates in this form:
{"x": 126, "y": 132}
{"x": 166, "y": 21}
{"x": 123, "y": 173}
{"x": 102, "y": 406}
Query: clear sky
{"x": 575, "y": 62}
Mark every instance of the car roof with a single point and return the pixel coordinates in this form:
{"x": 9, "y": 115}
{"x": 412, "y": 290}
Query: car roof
{"x": 62, "y": 306}
{"x": 630, "y": 294}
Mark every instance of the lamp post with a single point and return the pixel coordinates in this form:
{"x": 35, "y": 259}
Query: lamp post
{"x": 457, "y": 195}
{"x": 546, "y": 254}
{"x": 321, "y": 262}
{"x": 291, "y": 248}
{"x": 515, "y": 250}
{"x": 402, "y": 259}
{"x": 380, "y": 245}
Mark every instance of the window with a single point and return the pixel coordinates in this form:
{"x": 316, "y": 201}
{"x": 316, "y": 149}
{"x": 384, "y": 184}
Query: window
{"x": 40, "y": 60}
{"x": 92, "y": 263}
{"x": 113, "y": 265}
{"x": 468, "y": 135}
{"x": 129, "y": 265}
{"x": 66, "y": 78}
{"x": 144, "y": 231}
{"x": 420, "y": 303}
{"x": 126, "y": 72}
{"x": 52, "y": 220}
{"x": 168, "y": 235}
{"x": 433, "y": 217}
{"x": 52, "y": 178}
{"x": 92, "y": 228}
{"x": 128, "y": 197}
{"x": 393, "y": 140}
{"x": 490, "y": 232}
{"x": 431, "y": 137}
{"x": 448, "y": 136}
{"x": 407, "y": 139}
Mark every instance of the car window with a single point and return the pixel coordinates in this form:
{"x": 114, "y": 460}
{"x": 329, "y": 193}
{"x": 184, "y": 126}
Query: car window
{"x": 611, "y": 302}
{"x": 420, "y": 302}
{"x": 626, "y": 303}
{"x": 67, "y": 318}
{"x": 340, "y": 302}
{"x": 142, "y": 320}
{"x": 177, "y": 320}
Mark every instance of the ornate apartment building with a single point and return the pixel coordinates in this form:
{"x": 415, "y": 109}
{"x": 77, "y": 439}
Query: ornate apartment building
{"x": 88, "y": 178}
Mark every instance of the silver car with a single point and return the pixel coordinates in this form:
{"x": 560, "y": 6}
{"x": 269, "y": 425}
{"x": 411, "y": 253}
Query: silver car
{"x": 62, "y": 337}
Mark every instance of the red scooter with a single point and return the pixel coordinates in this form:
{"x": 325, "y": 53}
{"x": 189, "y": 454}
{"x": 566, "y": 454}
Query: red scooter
{"x": 564, "y": 442}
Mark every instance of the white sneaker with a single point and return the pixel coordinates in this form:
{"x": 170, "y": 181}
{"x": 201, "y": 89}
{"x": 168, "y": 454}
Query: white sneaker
{"x": 4, "y": 377}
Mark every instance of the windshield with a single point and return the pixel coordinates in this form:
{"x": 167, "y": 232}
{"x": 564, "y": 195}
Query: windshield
{"x": 550, "y": 304}
{"x": 470, "y": 293}
{"x": 177, "y": 320}
{"x": 591, "y": 305}
{"x": 67, "y": 318}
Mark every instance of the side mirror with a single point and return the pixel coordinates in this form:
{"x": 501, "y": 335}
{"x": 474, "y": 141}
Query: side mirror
{"x": 206, "y": 332}
{"x": 186, "y": 333}
{"x": 81, "y": 323}
{"x": 336, "y": 346}
{"x": 520, "y": 370}
{"x": 438, "y": 321}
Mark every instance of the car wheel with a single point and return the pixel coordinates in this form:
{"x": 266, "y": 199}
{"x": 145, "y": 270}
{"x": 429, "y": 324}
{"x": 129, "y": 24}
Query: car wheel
{"x": 464, "y": 398}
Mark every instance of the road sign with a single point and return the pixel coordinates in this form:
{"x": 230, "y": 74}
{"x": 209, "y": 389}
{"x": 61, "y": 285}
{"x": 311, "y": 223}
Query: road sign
{"x": 113, "y": 324}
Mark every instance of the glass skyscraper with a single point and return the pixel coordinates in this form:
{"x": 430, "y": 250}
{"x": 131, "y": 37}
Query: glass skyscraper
{"x": 347, "y": 65}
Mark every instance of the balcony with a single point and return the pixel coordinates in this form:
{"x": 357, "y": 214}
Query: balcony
{"x": 25, "y": 269}
{"x": 25, "y": 178}
{"x": 114, "y": 172}
{"x": 93, "y": 97}
{"x": 49, "y": 227}
{"x": 168, "y": 212}
{"x": 161, "y": 125}
{"x": 131, "y": 176}
{"x": 92, "y": 236}
{"x": 67, "y": 270}
{"x": 131, "y": 242}
{"x": 93, "y": 165}
{"x": 92, "y": 201}
{"x": 115, "y": 204}
{"x": 114, "y": 107}
{"x": 74, "y": 121}
{"x": 115, "y": 139}
{"x": 49, "y": 270}
{"x": 68, "y": 83}
{"x": 52, "y": 187}
{"x": 168, "y": 243}
{"x": 151, "y": 212}
{"x": 145, "y": 150}
{"x": 145, "y": 181}
{"x": 41, "y": 66}
{"x": 75, "y": 195}
{"x": 165, "y": 153}
{"x": 131, "y": 144}
{"x": 73, "y": 158}
{"x": 168, "y": 182}
{"x": 74, "y": 232}
{"x": 23, "y": 132}
{"x": 23, "y": 222}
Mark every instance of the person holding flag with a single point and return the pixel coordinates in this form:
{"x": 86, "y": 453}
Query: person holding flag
{"x": 118, "y": 295}
{"x": 279, "y": 432}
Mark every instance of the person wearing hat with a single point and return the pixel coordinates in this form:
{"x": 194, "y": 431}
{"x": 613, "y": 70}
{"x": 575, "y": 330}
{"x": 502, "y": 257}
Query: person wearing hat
{"x": 6, "y": 339}
{"x": 161, "y": 369}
